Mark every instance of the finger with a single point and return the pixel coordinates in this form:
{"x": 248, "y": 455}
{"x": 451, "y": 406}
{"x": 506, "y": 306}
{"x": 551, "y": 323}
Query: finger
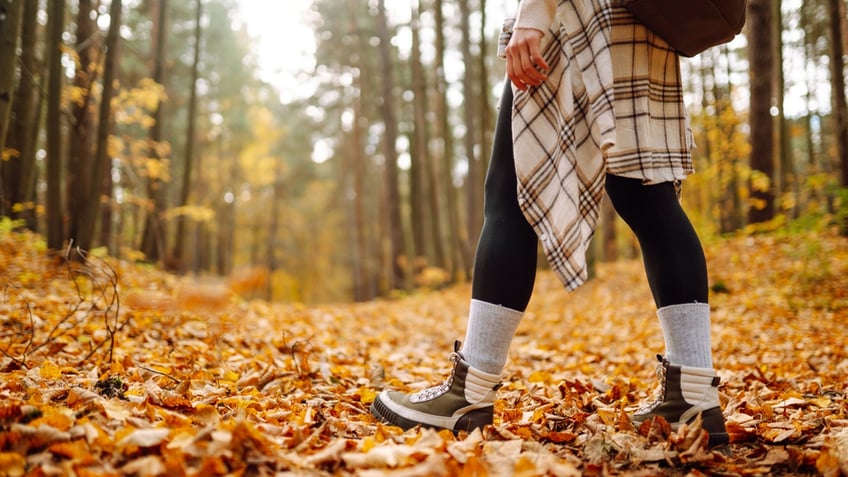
{"x": 539, "y": 61}
{"x": 529, "y": 70}
{"x": 514, "y": 68}
{"x": 536, "y": 56}
{"x": 513, "y": 74}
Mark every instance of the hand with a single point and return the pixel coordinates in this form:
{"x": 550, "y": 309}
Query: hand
{"x": 525, "y": 66}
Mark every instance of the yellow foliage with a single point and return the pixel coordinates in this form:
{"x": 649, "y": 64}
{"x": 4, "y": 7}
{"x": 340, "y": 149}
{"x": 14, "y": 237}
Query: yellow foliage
{"x": 75, "y": 95}
{"x": 22, "y": 206}
{"x": 114, "y": 146}
{"x": 260, "y": 165}
{"x": 196, "y": 213}
{"x": 788, "y": 201}
{"x": 157, "y": 169}
{"x": 136, "y": 105}
{"x": 9, "y": 153}
{"x": 760, "y": 182}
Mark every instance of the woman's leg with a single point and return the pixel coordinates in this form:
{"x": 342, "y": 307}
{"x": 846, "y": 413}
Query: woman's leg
{"x": 505, "y": 262}
{"x": 504, "y": 272}
{"x": 674, "y": 263}
{"x": 673, "y": 256}
{"x": 677, "y": 274}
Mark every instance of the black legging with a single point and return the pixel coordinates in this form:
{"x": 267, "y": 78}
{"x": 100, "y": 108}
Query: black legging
{"x": 505, "y": 263}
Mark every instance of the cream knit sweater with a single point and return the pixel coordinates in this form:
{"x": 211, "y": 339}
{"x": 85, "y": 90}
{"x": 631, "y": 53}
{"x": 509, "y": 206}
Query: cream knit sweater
{"x": 537, "y": 14}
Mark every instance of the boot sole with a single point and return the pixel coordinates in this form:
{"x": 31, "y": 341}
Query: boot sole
{"x": 712, "y": 421}
{"x": 468, "y": 422}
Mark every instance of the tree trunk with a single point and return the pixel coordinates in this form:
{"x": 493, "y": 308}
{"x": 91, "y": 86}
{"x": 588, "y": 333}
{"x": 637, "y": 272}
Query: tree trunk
{"x": 178, "y": 252}
{"x": 354, "y": 171}
{"x": 152, "y": 244}
{"x": 419, "y": 188}
{"x": 473, "y": 197}
{"x": 199, "y": 229}
{"x": 761, "y": 57}
{"x": 56, "y": 26}
{"x": 396, "y": 279}
{"x": 81, "y": 136}
{"x": 810, "y": 85}
{"x": 18, "y": 170}
{"x": 11, "y": 12}
{"x": 487, "y": 121}
{"x": 108, "y": 211}
{"x": 273, "y": 228}
{"x": 787, "y": 187}
{"x": 101, "y": 164}
{"x": 837, "y": 87}
{"x": 227, "y": 214}
{"x": 737, "y": 206}
{"x": 434, "y": 190}
{"x": 705, "y": 145}
{"x": 730, "y": 204}
{"x": 460, "y": 262}
{"x": 364, "y": 288}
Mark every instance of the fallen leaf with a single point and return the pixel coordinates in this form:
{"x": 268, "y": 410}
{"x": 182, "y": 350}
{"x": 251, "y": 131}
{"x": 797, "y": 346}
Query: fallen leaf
{"x": 144, "y": 438}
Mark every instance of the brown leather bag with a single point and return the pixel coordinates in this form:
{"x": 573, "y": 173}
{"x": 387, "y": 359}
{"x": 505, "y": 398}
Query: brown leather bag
{"x": 691, "y": 26}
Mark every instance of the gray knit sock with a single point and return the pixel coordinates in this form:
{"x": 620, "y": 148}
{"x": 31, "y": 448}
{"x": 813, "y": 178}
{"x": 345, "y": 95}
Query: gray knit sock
{"x": 686, "y": 329}
{"x": 489, "y": 334}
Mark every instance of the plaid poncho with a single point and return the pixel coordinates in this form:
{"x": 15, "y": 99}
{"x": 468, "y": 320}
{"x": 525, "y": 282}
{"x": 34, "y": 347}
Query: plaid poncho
{"x": 612, "y": 103}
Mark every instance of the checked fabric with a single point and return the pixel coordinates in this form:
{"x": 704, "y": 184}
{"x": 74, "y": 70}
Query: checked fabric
{"x": 613, "y": 103}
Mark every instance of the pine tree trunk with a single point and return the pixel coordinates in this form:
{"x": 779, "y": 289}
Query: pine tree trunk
{"x": 18, "y": 170}
{"x": 809, "y": 83}
{"x": 396, "y": 278}
{"x": 365, "y": 287}
{"x": 486, "y": 123}
{"x": 837, "y": 87}
{"x": 55, "y": 213}
{"x": 88, "y": 222}
{"x": 273, "y": 230}
{"x": 178, "y": 252}
{"x": 705, "y": 145}
{"x": 81, "y": 137}
{"x": 153, "y": 237}
{"x": 460, "y": 262}
{"x": 761, "y": 56}
{"x": 473, "y": 197}
{"x": 227, "y": 218}
{"x": 420, "y": 188}
{"x": 787, "y": 187}
{"x": 838, "y": 101}
{"x": 11, "y": 12}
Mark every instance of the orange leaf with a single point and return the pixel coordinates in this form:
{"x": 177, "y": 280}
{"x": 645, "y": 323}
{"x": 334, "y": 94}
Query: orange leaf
{"x": 13, "y": 464}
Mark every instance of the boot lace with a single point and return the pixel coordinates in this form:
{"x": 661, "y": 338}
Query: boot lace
{"x": 439, "y": 389}
{"x": 659, "y": 392}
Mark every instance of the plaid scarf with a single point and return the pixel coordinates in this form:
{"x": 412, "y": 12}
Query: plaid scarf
{"x": 612, "y": 103}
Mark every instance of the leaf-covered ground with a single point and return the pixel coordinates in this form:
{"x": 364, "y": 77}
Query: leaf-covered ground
{"x": 114, "y": 369}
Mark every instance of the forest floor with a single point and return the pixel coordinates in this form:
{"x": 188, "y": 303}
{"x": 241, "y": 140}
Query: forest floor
{"x": 110, "y": 368}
